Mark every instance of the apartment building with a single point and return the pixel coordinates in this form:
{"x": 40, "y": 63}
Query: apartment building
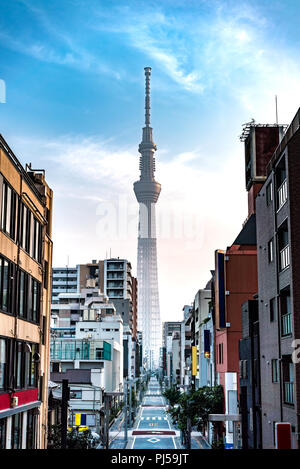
{"x": 25, "y": 296}
{"x": 64, "y": 280}
{"x": 278, "y": 231}
{"x": 202, "y": 338}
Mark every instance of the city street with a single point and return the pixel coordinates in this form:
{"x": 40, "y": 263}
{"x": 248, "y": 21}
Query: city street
{"x": 153, "y": 429}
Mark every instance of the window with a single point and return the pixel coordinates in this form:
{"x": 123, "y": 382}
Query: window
{"x": 2, "y": 433}
{"x": 31, "y": 429}
{"x": 271, "y": 250}
{"x": 288, "y": 380}
{"x": 19, "y": 365}
{"x": 2, "y": 365}
{"x": 22, "y": 294}
{"x": 76, "y": 394}
{"x": 31, "y": 234}
{"x": 9, "y": 210}
{"x": 34, "y": 365}
{"x": 286, "y": 313}
{"x": 29, "y": 295}
{"x": 283, "y": 246}
{"x": 269, "y": 192}
{"x": 5, "y": 285}
{"x": 272, "y": 310}
{"x": 275, "y": 371}
{"x": 16, "y": 431}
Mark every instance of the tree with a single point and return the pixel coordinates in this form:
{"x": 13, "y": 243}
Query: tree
{"x": 172, "y": 395}
{"x": 194, "y": 408}
{"x": 75, "y": 439}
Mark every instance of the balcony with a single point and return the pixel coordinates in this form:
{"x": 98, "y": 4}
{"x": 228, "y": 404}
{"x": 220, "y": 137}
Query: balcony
{"x": 285, "y": 257}
{"x": 282, "y": 194}
{"x": 112, "y": 267}
{"x": 66, "y": 349}
{"x": 289, "y": 393}
{"x": 112, "y": 285}
{"x": 111, "y": 276}
{"x": 286, "y": 324}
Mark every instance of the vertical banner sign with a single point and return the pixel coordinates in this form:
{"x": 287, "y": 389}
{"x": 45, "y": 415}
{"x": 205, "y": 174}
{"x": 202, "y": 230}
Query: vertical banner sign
{"x": 194, "y": 360}
{"x": 220, "y": 289}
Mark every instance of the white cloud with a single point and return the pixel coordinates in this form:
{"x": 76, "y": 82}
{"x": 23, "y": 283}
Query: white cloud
{"x": 95, "y": 175}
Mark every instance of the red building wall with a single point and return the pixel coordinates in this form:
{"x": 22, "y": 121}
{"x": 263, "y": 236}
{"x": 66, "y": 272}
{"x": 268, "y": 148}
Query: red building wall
{"x": 241, "y": 283}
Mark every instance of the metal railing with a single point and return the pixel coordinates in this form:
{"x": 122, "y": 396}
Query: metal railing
{"x": 286, "y": 324}
{"x": 282, "y": 194}
{"x": 289, "y": 393}
{"x": 285, "y": 257}
{"x": 66, "y": 349}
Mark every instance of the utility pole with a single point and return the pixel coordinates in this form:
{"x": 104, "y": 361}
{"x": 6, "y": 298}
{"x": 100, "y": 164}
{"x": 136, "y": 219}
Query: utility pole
{"x": 126, "y": 415}
{"x": 106, "y": 420}
{"x": 64, "y": 412}
{"x": 130, "y": 404}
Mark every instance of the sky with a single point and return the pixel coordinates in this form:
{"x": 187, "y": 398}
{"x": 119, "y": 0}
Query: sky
{"x": 72, "y": 102}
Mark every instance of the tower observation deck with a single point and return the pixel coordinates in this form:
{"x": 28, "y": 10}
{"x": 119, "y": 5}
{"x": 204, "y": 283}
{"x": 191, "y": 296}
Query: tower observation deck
{"x": 147, "y": 191}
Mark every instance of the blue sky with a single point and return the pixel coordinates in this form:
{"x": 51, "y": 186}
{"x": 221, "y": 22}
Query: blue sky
{"x": 75, "y": 106}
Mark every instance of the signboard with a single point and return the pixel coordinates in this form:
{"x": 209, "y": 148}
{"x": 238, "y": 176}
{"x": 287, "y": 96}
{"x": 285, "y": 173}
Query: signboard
{"x": 80, "y": 420}
{"x": 194, "y": 360}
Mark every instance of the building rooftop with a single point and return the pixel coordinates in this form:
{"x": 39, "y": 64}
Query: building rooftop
{"x": 74, "y": 376}
{"x": 247, "y": 236}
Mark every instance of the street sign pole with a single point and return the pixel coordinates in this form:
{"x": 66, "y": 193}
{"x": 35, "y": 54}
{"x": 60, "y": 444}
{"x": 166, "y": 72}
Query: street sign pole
{"x": 106, "y": 420}
{"x": 64, "y": 412}
{"x": 126, "y": 416}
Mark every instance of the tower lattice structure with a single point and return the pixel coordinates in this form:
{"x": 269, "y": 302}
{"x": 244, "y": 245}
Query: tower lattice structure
{"x": 147, "y": 191}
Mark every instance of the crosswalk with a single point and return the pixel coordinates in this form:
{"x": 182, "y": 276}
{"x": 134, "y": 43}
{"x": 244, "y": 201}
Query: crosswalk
{"x": 153, "y": 418}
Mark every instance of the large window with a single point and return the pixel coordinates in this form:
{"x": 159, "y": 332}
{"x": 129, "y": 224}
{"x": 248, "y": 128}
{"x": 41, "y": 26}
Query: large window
{"x": 31, "y": 234}
{"x": 29, "y": 295}
{"x": 9, "y": 210}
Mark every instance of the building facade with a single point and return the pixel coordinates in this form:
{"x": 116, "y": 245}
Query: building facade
{"x": 278, "y": 232}
{"x": 25, "y": 296}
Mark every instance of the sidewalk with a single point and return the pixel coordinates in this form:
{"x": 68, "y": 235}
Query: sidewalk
{"x": 199, "y": 442}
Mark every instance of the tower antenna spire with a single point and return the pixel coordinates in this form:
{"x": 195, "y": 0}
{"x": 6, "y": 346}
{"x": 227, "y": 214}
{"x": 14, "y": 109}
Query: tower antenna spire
{"x": 147, "y": 96}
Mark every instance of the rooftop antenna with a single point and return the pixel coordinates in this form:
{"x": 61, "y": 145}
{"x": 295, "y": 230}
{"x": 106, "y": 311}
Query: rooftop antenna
{"x": 276, "y": 107}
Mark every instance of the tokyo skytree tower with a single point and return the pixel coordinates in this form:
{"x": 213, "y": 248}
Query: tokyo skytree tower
{"x": 147, "y": 191}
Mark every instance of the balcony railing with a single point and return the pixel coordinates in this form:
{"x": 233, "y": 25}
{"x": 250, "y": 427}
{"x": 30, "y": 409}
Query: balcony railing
{"x": 66, "y": 349}
{"x": 286, "y": 324}
{"x": 285, "y": 257}
{"x": 282, "y": 194}
{"x": 289, "y": 393}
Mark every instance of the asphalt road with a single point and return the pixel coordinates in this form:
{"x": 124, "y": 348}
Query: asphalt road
{"x": 153, "y": 429}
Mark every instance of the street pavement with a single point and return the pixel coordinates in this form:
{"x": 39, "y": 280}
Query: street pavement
{"x": 153, "y": 428}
